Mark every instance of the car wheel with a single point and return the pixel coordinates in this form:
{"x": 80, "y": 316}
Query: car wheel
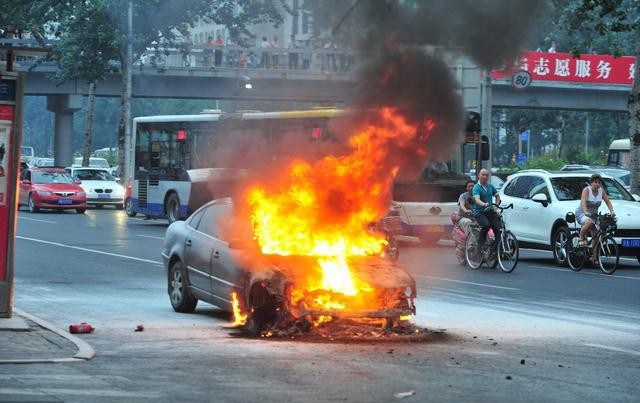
{"x": 81, "y": 210}
{"x": 559, "y": 245}
{"x": 181, "y": 298}
{"x": 32, "y": 205}
{"x": 128, "y": 208}
{"x": 172, "y": 208}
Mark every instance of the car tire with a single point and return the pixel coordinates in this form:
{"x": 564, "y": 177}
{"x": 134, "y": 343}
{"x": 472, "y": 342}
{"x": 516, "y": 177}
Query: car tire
{"x": 128, "y": 208}
{"x": 559, "y": 245}
{"x": 172, "y": 208}
{"x": 178, "y": 288}
{"x": 81, "y": 210}
{"x": 32, "y": 205}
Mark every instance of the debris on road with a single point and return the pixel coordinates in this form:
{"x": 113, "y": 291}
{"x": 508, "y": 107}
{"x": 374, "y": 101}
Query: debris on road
{"x": 139, "y": 328}
{"x": 83, "y": 327}
{"x": 522, "y": 361}
{"x": 402, "y": 395}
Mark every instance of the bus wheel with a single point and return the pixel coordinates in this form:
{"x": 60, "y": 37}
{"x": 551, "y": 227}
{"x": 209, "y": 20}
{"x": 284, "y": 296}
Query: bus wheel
{"x": 128, "y": 208}
{"x": 172, "y": 208}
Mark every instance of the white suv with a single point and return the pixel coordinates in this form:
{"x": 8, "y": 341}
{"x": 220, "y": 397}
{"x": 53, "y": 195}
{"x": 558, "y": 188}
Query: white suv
{"x": 542, "y": 199}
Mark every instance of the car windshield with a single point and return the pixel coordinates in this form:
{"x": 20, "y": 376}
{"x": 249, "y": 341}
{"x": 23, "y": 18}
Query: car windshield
{"x": 92, "y": 175}
{"x": 95, "y": 162}
{"x": 570, "y": 188}
{"x": 51, "y": 177}
{"x": 619, "y": 174}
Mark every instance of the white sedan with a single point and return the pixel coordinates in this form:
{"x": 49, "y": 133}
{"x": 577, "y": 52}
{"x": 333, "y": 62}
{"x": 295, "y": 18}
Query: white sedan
{"x": 100, "y": 186}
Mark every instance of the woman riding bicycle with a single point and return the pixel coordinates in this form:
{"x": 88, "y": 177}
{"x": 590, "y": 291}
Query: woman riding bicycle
{"x": 590, "y": 201}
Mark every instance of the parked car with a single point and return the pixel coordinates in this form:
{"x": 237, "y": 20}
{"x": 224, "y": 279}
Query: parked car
{"x": 41, "y": 162}
{"x": 205, "y": 263}
{"x": 101, "y": 188}
{"x": 620, "y": 174}
{"x": 96, "y": 162}
{"x": 541, "y": 200}
{"x": 50, "y": 188}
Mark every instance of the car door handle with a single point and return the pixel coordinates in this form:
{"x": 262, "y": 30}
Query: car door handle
{"x": 188, "y": 243}
{"x": 216, "y": 255}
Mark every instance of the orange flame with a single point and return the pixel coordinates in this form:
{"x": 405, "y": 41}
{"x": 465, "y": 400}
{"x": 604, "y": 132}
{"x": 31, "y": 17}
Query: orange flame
{"x": 239, "y": 319}
{"x": 323, "y": 209}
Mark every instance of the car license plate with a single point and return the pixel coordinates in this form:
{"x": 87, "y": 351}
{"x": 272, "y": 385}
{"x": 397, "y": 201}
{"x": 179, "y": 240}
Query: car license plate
{"x": 631, "y": 243}
{"x": 104, "y": 196}
{"x": 435, "y": 228}
{"x": 65, "y": 201}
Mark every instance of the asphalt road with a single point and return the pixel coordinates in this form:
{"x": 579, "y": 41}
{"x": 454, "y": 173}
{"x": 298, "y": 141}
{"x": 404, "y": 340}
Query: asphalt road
{"x": 541, "y": 333}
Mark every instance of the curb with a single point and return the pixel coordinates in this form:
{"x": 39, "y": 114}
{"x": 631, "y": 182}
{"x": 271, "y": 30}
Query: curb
{"x": 85, "y": 351}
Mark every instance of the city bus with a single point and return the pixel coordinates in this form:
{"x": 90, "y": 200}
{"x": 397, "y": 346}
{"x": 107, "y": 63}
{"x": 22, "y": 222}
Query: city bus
{"x": 619, "y": 153}
{"x": 178, "y": 163}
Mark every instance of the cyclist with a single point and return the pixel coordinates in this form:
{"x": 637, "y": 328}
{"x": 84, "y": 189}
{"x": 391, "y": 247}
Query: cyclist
{"x": 590, "y": 200}
{"x": 483, "y": 193}
{"x": 465, "y": 207}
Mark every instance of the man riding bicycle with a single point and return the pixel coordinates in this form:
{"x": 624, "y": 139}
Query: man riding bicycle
{"x": 590, "y": 201}
{"x": 487, "y": 217}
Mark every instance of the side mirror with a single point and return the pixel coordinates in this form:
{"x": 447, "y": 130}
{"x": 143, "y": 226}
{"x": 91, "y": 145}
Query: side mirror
{"x": 541, "y": 198}
{"x": 636, "y": 197}
{"x": 26, "y": 181}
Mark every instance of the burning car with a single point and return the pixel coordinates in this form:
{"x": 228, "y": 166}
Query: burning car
{"x": 208, "y": 258}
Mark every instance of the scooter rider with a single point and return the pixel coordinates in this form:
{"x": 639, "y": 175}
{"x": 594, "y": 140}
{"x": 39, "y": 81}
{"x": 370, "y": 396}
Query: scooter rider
{"x": 483, "y": 193}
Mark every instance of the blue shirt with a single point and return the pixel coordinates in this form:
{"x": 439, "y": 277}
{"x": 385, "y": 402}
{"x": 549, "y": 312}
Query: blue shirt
{"x": 486, "y": 194}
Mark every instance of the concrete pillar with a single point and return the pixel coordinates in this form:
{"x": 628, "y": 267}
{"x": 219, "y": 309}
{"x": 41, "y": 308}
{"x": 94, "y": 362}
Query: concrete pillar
{"x": 64, "y": 106}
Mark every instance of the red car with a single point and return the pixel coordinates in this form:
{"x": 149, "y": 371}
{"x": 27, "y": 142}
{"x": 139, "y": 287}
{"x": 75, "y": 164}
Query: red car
{"x": 50, "y": 188}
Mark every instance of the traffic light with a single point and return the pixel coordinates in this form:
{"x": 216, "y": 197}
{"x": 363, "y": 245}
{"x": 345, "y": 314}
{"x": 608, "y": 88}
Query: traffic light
{"x": 473, "y": 123}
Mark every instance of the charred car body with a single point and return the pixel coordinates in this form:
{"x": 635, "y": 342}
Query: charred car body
{"x": 203, "y": 264}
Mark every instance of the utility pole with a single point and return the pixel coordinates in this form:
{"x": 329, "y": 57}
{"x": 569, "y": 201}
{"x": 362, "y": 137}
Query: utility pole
{"x": 486, "y": 117}
{"x": 127, "y": 114}
{"x": 586, "y": 135}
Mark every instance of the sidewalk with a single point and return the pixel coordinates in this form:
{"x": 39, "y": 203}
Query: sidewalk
{"x": 26, "y": 339}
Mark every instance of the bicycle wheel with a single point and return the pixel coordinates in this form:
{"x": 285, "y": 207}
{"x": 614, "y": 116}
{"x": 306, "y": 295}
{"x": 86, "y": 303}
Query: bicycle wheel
{"x": 576, "y": 256}
{"x": 607, "y": 255}
{"x": 472, "y": 251}
{"x": 508, "y": 252}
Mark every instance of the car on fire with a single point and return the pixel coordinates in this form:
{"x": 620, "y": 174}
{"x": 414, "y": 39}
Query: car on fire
{"x": 50, "y": 188}
{"x": 203, "y": 263}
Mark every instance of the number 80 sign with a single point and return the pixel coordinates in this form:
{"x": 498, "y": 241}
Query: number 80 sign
{"x": 521, "y": 80}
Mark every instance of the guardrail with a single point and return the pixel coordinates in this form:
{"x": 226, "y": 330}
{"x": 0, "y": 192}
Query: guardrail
{"x": 301, "y": 60}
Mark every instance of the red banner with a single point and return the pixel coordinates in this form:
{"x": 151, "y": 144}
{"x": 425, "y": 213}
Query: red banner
{"x": 6, "y": 162}
{"x": 595, "y": 69}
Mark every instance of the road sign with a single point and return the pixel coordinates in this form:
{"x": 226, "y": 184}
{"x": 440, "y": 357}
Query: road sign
{"x": 521, "y": 80}
{"x": 522, "y": 157}
{"x": 525, "y": 135}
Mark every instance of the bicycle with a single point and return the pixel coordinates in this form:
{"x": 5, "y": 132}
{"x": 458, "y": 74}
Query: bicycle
{"x": 602, "y": 247}
{"x": 507, "y": 247}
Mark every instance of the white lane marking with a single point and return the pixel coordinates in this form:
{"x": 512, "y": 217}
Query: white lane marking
{"x": 611, "y": 348}
{"x": 583, "y": 272}
{"x": 76, "y": 392}
{"x": 151, "y": 236}
{"x": 466, "y": 282}
{"x": 35, "y": 219}
{"x": 90, "y": 250}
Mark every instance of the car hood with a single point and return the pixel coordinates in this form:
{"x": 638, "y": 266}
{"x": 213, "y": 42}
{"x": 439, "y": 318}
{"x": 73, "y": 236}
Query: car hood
{"x": 378, "y": 272}
{"x": 100, "y": 184}
{"x": 57, "y": 187}
{"x": 627, "y": 212}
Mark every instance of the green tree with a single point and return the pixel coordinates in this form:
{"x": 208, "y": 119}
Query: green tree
{"x": 612, "y": 23}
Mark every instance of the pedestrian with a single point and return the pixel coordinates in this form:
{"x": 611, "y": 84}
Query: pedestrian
{"x": 275, "y": 54}
{"x": 265, "y": 59}
{"x": 219, "y": 44}
{"x": 293, "y": 55}
{"x": 330, "y": 58}
{"x": 552, "y": 49}
{"x": 207, "y": 51}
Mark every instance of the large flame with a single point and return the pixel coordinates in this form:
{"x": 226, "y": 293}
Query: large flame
{"x": 323, "y": 209}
